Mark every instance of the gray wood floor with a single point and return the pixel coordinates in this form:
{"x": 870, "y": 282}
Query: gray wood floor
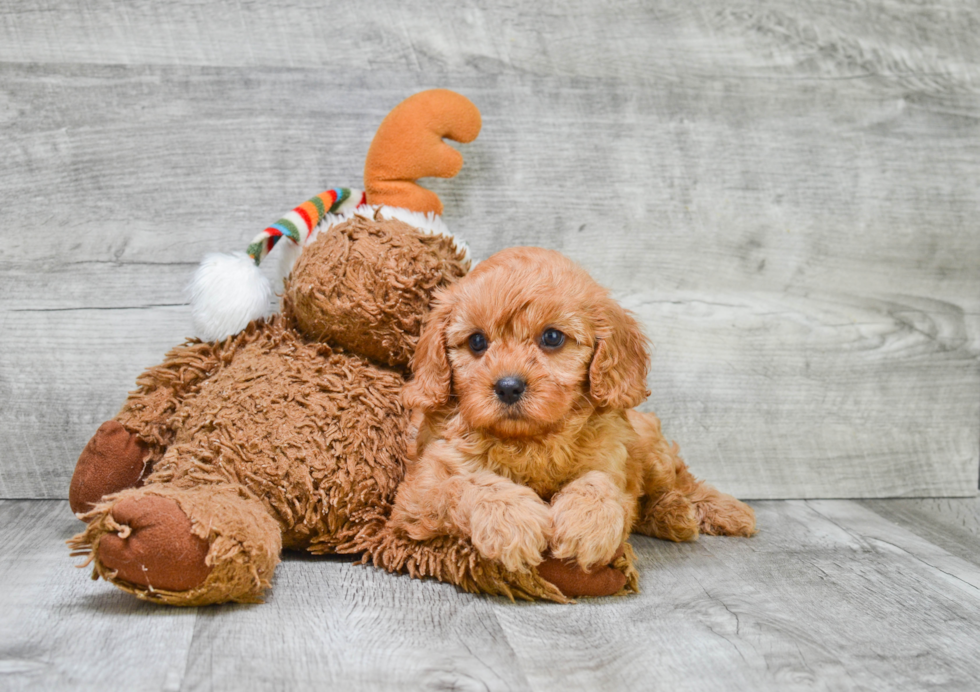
{"x": 832, "y": 594}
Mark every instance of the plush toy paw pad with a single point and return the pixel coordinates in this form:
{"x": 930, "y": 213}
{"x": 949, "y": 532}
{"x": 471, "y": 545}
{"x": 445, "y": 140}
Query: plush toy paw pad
{"x": 113, "y": 460}
{"x": 154, "y": 546}
{"x": 575, "y": 582}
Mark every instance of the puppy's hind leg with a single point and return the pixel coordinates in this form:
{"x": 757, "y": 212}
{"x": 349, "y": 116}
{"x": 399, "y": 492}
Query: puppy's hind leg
{"x": 677, "y": 506}
{"x": 669, "y": 516}
{"x": 720, "y": 514}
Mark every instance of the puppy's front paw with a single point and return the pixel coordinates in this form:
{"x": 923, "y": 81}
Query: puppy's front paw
{"x": 588, "y": 521}
{"x": 513, "y": 531}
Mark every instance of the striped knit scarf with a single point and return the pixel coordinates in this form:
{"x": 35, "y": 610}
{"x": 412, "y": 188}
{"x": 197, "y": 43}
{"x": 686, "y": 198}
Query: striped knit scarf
{"x": 300, "y": 222}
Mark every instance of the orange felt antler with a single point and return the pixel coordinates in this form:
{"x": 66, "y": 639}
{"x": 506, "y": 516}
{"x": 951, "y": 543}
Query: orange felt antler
{"x": 409, "y": 146}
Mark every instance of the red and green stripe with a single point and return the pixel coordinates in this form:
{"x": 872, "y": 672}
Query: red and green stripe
{"x": 300, "y": 222}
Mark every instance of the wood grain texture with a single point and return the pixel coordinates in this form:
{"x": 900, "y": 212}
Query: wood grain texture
{"x": 638, "y": 40}
{"x": 830, "y": 595}
{"x": 350, "y": 627}
{"x": 58, "y": 630}
{"x": 952, "y": 523}
{"x": 813, "y": 602}
{"x": 784, "y": 195}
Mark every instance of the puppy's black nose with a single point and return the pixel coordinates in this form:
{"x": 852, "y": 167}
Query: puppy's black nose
{"x": 509, "y": 389}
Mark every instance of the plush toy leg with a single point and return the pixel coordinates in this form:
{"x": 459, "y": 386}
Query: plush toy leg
{"x": 149, "y": 410}
{"x": 122, "y": 451}
{"x": 183, "y": 546}
{"x": 618, "y": 577}
{"x": 113, "y": 460}
{"x": 154, "y": 545}
{"x": 456, "y": 561}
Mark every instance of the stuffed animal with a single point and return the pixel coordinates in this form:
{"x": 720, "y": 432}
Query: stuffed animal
{"x": 288, "y": 431}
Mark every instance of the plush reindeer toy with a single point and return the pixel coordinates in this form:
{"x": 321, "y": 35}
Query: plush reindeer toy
{"x": 289, "y": 431}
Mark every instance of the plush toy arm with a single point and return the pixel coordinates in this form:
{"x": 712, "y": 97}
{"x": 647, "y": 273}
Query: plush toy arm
{"x": 148, "y": 411}
{"x": 123, "y": 450}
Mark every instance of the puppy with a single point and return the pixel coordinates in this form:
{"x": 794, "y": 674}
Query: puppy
{"x": 527, "y": 373}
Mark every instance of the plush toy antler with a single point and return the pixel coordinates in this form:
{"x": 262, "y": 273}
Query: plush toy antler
{"x": 409, "y": 146}
{"x": 229, "y": 291}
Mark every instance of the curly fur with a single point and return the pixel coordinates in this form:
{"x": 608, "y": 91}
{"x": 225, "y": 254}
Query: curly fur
{"x": 279, "y": 437}
{"x": 569, "y": 467}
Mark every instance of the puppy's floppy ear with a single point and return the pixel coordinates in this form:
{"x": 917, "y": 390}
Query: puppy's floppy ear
{"x": 618, "y": 373}
{"x": 430, "y": 386}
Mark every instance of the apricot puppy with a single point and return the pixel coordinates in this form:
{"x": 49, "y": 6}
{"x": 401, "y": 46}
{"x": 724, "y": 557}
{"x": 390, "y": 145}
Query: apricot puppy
{"x": 527, "y": 373}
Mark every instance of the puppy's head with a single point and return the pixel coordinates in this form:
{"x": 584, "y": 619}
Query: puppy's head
{"x": 521, "y": 341}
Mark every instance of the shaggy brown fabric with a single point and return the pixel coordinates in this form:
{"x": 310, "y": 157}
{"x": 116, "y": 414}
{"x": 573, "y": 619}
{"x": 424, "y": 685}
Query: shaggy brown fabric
{"x": 292, "y": 433}
{"x": 112, "y": 460}
{"x": 456, "y": 561}
{"x": 318, "y": 435}
{"x": 148, "y": 411}
{"x": 349, "y": 283}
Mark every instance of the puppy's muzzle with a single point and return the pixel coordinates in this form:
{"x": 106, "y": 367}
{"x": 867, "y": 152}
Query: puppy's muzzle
{"x": 510, "y": 389}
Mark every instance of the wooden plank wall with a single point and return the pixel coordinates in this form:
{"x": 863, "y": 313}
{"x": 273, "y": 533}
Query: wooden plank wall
{"x": 787, "y": 195}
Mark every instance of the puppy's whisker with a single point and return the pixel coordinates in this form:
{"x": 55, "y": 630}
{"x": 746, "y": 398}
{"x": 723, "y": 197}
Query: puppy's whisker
{"x": 513, "y": 412}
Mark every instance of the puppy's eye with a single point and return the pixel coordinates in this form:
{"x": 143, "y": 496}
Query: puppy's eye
{"x": 552, "y": 338}
{"x": 478, "y": 343}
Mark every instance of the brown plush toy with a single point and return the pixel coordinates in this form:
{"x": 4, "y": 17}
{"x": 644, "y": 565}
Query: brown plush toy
{"x": 288, "y": 431}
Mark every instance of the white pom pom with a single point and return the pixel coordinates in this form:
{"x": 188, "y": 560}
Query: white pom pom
{"x": 228, "y": 291}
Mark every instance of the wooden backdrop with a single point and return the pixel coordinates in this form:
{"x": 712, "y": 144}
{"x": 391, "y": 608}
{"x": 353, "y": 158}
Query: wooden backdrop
{"x": 787, "y": 196}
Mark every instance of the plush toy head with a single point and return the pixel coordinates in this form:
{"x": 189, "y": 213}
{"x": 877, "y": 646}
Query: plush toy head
{"x": 365, "y": 285}
{"x": 366, "y": 297}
